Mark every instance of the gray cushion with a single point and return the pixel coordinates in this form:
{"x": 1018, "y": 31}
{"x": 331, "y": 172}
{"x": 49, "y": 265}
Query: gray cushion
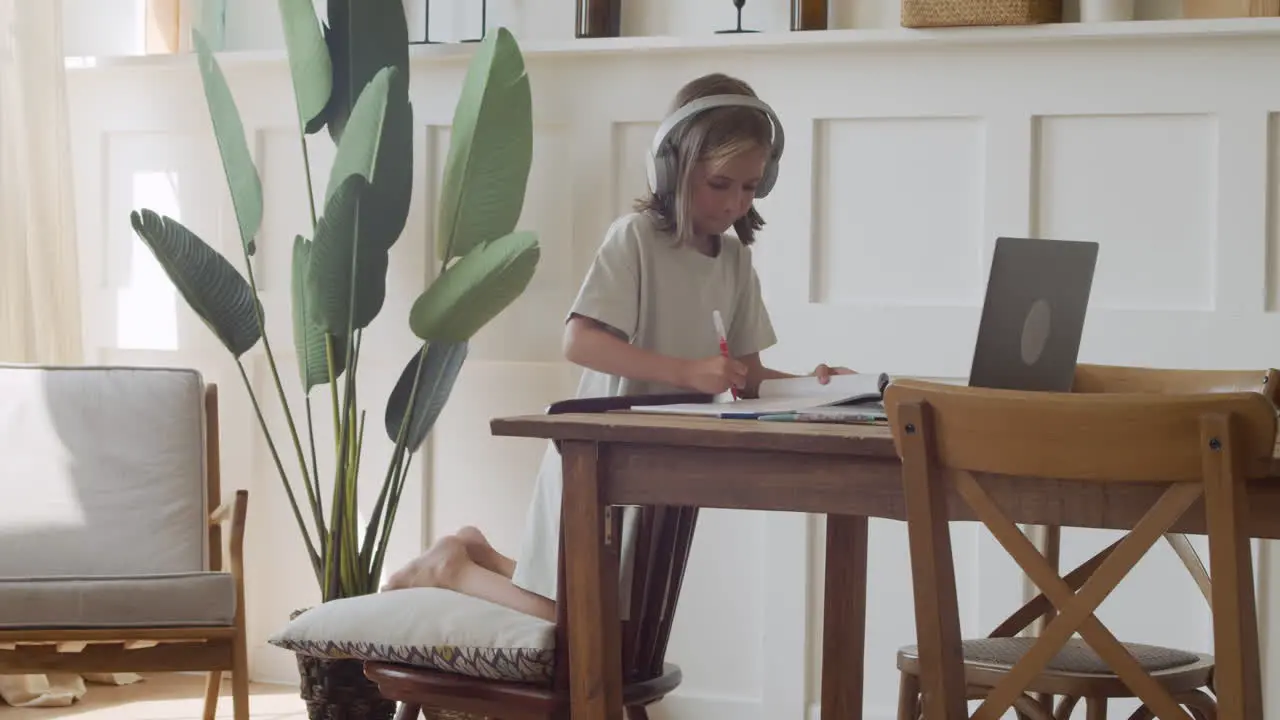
{"x": 1075, "y": 657}
{"x": 101, "y": 472}
{"x": 173, "y": 600}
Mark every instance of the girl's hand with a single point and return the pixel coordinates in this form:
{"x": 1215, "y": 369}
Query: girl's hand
{"x": 714, "y": 375}
{"x": 824, "y": 372}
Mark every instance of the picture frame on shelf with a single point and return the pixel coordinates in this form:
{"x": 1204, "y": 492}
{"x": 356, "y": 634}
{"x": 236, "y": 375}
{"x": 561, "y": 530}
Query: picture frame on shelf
{"x": 426, "y": 26}
{"x": 597, "y": 19}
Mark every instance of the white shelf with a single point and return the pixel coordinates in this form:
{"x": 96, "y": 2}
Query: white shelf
{"x": 879, "y": 38}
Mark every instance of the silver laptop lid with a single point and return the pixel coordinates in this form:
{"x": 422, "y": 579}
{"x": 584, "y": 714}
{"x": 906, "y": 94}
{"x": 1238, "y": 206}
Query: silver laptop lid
{"x": 1033, "y": 315}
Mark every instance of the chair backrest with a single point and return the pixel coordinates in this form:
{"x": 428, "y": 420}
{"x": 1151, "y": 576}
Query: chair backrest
{"x": 102, "y": 471}
{"x": 664, "y": 536}
{"x": 951, "y": 437}
{"x": 1122, "y": 379}
{"x": 1119, "y": 437}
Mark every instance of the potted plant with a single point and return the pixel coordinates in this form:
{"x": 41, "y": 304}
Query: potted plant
{"x": 352, "y": 77}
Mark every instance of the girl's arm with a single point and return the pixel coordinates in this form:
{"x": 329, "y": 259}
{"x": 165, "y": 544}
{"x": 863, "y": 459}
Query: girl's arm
{"x": 592, "y": 345}
{"x": 758, "y": 373}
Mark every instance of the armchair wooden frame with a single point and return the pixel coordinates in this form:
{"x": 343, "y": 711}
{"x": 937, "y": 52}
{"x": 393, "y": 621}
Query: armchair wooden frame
{"x": 160, "y": 649}
{"x": 953, "y": 439}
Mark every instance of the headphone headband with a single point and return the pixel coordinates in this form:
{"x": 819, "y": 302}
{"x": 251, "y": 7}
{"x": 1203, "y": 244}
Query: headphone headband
{"x": 661, "y": 161}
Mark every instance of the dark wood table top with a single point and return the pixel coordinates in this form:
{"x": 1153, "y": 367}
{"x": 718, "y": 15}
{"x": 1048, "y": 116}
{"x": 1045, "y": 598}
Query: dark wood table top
{"x": 694, "y": 431}
{"x": 870, "y": 441}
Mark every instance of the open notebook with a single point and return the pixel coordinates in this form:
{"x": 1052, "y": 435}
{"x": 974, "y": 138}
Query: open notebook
{"x": 865, "y": 391}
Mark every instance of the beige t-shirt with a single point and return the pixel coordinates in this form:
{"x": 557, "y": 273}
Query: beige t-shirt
{"x": 660, "y": 296}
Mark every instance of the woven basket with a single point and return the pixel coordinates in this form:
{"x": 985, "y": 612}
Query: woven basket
{"x": 952, "y": 13}
{"x": 338, "y": 690}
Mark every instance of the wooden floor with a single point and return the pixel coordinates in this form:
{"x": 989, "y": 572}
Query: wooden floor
{"x": 166, "y": 697}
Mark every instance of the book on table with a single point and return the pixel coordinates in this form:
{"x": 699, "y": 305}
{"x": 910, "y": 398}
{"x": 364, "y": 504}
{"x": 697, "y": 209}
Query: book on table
{"x": 856, "y": 397}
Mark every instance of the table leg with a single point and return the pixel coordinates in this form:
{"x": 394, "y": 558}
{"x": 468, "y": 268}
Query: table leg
{"x": 595, "y": 632}
{"x": 844, "y": 624}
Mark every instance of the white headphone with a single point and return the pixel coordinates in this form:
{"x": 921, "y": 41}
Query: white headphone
{"x": 663, "y": 158}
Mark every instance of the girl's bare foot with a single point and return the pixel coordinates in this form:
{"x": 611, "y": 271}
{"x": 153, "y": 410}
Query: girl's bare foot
{"x": 440, "y": 566}
{"x": 484, "y": 554}
{"x": 448, "y": 565}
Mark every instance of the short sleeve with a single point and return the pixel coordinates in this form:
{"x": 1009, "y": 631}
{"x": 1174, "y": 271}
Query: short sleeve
{"x": 610, "y": 294}
{"x": 752, "y": 330}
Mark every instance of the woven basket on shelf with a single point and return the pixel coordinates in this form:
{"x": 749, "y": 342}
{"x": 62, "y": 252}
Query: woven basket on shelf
{"x": 951, "y": 13}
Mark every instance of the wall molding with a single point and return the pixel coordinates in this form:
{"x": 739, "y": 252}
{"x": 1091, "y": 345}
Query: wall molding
{"x": 880, "y": 39}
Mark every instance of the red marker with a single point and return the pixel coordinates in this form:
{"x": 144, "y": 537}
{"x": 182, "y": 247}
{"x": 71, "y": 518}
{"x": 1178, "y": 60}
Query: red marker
{"x": 724, "y": 343}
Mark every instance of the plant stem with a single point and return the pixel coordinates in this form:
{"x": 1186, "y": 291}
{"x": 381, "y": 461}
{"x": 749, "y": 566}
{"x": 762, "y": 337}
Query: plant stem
{"x": 315, "y": 471}
{"x": 345, "y": 472}
{"x": 284, "y": 478}
{"x": 275, "y": 376}
{"x": 371, "y": 530}
{"x": 311, "y": 432}
{"x": 306, "y": 168}
{"x": 380, "y": 558}
{"x": 333, "y": 383}
{"x": 337, "y": 535}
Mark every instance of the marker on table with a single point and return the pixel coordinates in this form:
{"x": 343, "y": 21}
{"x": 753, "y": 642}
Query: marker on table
{"x": 724, "y": 342}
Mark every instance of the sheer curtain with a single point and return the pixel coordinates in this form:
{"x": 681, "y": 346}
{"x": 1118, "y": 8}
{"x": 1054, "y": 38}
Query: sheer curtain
{"x": 39, "y": 276}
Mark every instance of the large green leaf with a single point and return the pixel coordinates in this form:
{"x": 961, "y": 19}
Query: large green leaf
{"x": 214, "y": 289}
{"x": 237, "y": 164}
{"x": 308, "y": 334}
{"x": 490, "y": 149}
{"x": 338, "y": 261}
{"x": 378, "y": 144}
{"x": 364, "y": 36}
{"x": 387, "y": 206}
{"x": 358, "y": 150}
{"x": 436, "y": 375}
{"x": 475, "y": 289}
{"x": 308, "y": 61}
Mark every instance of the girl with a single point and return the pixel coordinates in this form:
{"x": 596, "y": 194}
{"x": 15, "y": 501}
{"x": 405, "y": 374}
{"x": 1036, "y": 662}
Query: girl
{"x": 643, "y": 319}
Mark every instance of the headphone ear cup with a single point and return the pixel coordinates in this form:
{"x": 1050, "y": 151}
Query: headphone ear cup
{"x": 664, "y": 171}
{"x": 767, "y": 179}
{"x": 651, "y": 172}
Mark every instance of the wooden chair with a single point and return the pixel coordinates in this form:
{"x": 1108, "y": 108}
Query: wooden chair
{"x": 958, "y": 445}
{"x": 121, "y": 569}
{"x": 1091, "y": 378}
{"x": 1121, "y": 379}
{"x": 663, "y": 539}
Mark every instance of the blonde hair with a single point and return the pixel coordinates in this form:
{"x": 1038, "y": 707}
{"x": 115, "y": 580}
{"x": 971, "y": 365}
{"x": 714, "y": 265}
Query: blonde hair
{"x": 714, "y": 136}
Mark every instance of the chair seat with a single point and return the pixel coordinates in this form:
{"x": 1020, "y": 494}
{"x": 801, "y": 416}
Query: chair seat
{"x": 1076, "y": 669}
{"x": 476, "y": 697}
{"x": 199, "y": 599}
{"x": 1075, "y": 657}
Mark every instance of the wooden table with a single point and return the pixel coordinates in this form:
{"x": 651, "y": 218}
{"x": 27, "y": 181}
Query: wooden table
{"x": 849, "y": 473}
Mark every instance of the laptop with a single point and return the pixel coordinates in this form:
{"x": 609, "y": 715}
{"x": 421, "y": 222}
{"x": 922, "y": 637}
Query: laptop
{"x": 1033, "y": 315}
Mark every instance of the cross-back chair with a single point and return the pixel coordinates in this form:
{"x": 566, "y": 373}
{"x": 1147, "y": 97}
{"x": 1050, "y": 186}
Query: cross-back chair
{"x": 1090, "y": 378}
{"x": 664, "y": 537}
{"x": 961, "y": 447}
